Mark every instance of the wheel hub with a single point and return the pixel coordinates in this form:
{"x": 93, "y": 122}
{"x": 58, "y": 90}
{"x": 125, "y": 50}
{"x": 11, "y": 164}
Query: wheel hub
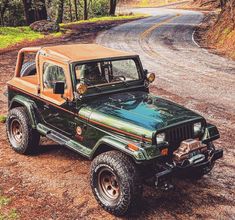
{"x": 109, "y": 185}
{"x": 16, "y": 130}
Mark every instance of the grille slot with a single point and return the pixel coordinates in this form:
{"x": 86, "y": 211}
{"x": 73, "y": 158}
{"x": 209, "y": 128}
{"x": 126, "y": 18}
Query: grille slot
{"x": 180, "y": 133}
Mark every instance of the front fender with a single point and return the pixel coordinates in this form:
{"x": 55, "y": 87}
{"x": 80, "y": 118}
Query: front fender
{"x": 120, "y": 145}
{"x": 30, "y": 106}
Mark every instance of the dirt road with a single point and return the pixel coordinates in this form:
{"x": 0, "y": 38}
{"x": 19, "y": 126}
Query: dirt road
{"x": 54, "y": 184}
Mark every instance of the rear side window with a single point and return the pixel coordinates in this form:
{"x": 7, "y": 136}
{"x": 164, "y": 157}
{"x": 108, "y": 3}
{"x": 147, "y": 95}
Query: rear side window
{"x": 51, "y": 74}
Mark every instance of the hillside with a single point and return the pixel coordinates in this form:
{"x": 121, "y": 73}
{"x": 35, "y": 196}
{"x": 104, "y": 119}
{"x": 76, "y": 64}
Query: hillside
{"x": 218, "y": 32}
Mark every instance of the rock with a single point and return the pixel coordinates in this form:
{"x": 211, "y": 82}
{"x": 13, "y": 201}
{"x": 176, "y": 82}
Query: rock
{"x": 45, "y": 26}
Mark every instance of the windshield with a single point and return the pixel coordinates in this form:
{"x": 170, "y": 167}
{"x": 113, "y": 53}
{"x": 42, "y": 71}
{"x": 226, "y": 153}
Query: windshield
{"x": 106, "y": 72}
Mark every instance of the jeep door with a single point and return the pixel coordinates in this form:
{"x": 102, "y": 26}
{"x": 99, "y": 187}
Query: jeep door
{"x": 56, "y": 110}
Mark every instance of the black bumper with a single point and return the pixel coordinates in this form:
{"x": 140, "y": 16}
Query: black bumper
{"x": 172, "y": 170}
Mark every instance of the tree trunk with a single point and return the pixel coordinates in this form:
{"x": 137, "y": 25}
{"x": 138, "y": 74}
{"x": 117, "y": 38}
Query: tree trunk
{"x": 42, "y": 11}
{"x": 34, "y": 12}
{"x": 85, "y": 16}
{"x": 70, "y": 11}
{"x": 112, "y": 7}
{"x": 3, "y": 7}
{"x": 60, "y": 11}
{"x": 29, "y": 12}
{"x": 76, "y": 10}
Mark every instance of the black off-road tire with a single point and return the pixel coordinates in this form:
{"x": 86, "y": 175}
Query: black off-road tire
{"x": 28, "y": 69}
{"x": 128, "y": 179}
{"x": 22, "y": 137}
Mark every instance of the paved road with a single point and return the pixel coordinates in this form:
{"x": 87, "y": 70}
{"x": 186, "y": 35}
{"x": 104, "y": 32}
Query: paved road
{"x": 166, "y": 46}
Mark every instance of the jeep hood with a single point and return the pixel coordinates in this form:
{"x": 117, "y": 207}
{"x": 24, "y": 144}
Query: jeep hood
{"x": 137, "y": 113}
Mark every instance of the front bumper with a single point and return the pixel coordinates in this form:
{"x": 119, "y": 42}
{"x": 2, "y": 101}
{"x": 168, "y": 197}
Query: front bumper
{"x": 171, "y": 169}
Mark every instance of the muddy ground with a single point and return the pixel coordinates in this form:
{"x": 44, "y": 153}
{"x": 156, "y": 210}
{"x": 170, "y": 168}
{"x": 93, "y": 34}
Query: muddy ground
{"x": 54, "y": 183}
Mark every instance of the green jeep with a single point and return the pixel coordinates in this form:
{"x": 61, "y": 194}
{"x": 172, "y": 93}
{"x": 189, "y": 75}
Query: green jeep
{"x": 96, "y": 101}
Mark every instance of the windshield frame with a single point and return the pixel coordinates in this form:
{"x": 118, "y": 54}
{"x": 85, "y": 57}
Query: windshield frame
{"x": 134, "y": 58}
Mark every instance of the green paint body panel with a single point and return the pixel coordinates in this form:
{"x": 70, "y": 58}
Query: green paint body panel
{"x": 134, "y": 112}
{"x": 113, "y": 117}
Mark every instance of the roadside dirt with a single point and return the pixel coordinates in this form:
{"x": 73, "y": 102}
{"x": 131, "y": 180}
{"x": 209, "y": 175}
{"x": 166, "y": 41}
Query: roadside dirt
{"x": 54, "y": 184}
{"x": 217, "y": 30}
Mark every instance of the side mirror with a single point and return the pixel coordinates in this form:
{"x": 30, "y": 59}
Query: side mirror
{"x": 59, "y": 87}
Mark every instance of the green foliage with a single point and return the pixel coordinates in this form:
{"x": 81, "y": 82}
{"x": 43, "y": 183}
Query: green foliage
{"x": 5, "y": 212}
{"x": 2, "y": 118}
{"x": 100, "y": 8}
{"x": 106, "y": 18}
{"x": 12, "y": 35}
{"x": 13, "y": 215}
{"x": 4, "y": 201}
{"x": 12, "y": 13}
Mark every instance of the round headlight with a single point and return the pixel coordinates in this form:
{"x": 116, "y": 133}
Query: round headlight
{"x": 161, "y": 137}
{"x": 197, "y": 128}
{"x": 150, "y": 77}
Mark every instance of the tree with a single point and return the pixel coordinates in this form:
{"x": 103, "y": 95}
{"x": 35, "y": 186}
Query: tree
{"x": 34, "y": 11}
{"x": 60, "y": 11}
{"x": 3, "y": 7}
{"x": 70, "y": 11}
{"x": 112, "y": 7}
{"x": 76, "y": 9}
{"x": 85, "y": 10}
{"x": 28, "y": 12}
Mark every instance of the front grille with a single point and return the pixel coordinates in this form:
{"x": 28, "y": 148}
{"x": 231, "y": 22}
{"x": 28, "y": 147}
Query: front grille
{"x": 179, "y": 133}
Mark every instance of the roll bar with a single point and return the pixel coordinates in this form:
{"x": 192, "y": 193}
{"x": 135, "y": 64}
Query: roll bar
{"x": 21, "y": 55}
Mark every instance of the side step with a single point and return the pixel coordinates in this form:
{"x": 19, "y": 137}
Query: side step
{"x": 63, "y": 140}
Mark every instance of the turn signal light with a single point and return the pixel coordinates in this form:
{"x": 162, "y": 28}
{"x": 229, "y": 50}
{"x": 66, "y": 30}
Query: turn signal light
{"x": 133, "y": 147}
{"x": 164, "y": 152}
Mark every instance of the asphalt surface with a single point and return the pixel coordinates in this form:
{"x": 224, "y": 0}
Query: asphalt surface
{"x": 198, "y": 79}
{"x": 166, "y": 46}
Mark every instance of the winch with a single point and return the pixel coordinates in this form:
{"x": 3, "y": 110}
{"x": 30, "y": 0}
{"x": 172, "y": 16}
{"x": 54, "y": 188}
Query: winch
{"x": 190, "y": 152}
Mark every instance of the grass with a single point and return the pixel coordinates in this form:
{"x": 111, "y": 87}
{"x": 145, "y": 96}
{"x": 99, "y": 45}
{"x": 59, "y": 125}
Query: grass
{"x": 4, "y": 201}
{"x": 106, "y": 18}
{"x": 13, "y": 35}
{"x": 2, "y": 120}
{"x": 6, "y": 214}
{"x": 10, "y": 36}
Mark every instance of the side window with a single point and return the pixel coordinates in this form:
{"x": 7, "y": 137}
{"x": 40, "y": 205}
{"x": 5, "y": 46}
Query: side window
{"x": 51, "y": 74}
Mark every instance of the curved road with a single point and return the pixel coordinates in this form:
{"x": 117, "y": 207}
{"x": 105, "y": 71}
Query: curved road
{"x": 166, "y": 46}
{"x": 199, "y": 80}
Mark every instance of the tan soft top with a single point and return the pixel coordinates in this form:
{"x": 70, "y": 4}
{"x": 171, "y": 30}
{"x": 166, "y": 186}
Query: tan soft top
{"x": 82, "y": 52}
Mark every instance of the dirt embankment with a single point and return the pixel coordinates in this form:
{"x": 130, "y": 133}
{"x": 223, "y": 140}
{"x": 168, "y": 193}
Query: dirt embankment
{"x": 218, "y": 29}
